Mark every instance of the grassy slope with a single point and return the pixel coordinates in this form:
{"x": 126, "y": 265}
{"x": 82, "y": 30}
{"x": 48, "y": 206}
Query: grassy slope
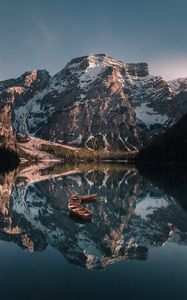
{"x": 70, "y": 154}
{"x": 37, "y": 149}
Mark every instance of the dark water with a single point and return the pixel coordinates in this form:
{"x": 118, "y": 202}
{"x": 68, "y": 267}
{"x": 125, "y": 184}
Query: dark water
{"x": 134, "y": 248}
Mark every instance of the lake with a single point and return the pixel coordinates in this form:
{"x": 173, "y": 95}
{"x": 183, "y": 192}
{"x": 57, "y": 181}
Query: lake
{"x": 135, "y": 247}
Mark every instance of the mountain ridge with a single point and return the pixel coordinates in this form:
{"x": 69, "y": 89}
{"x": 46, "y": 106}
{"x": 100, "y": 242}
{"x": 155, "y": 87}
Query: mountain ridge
{"x": 95, "y": 102}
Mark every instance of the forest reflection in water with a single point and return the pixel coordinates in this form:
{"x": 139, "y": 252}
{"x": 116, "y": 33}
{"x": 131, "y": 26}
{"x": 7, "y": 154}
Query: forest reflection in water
{"x": 135, "y": 211}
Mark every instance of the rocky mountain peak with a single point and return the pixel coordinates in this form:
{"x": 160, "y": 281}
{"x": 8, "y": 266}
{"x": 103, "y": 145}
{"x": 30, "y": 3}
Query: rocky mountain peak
{"x": 94, "y": 64}
{"x": 35, "y": 79}
{"x": 95, "y": 101}
{"x": 138, "y": 69}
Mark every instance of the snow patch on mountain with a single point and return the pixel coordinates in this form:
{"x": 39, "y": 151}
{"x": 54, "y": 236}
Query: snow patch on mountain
{"x": 29, "y": 202}
{"x": 178, "y": 85}
{"x": 147, "y": 115}
{"x": 90, "y": 74}
{"x": 87, "y": 245}
{"x": 30, "y": 116}
{"x": 149, "y": 205}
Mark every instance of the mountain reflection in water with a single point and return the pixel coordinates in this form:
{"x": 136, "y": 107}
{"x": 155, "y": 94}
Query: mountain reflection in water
{"x": 131, "y": 215}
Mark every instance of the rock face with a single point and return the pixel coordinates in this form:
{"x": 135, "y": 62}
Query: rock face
{"x": 16, "y": 103}
{"x": 96, "y": 102}
{"x": 91, "y": 107}
{"x": 137, "y": 70}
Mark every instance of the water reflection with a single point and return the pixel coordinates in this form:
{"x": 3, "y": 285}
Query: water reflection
{"x": 131, "y": 216}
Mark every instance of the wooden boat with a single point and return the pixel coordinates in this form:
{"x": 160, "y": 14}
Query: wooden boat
{"x": 80, "y": 211}
{"x": 75, "y": 200}
{"x": 85, "y": 198}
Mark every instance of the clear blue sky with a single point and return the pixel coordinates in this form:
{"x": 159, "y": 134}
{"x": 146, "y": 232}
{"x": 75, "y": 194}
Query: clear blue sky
{"x": 46, "y": 34}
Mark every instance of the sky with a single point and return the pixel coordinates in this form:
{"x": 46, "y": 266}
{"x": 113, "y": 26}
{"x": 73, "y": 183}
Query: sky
{"x": 47, "y": 34}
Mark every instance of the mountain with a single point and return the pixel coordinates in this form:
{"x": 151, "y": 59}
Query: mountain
{"x": 171, "y": 146}
{"x": 95, "y": 102}
{"x": 15, "y": 93}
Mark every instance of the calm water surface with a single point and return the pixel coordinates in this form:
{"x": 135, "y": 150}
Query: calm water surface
{"x": 134, "y": 248}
